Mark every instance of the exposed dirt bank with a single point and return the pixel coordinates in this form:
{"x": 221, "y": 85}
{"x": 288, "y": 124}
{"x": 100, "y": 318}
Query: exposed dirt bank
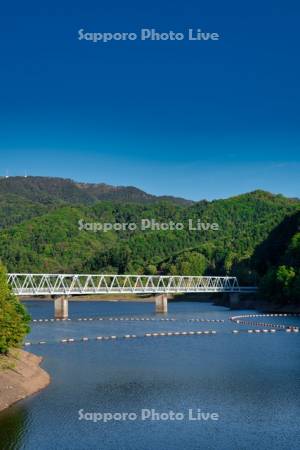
{"x": 20, "y": 376}
{"x": 99, "y": 298}
{"x": 247, "y": 301}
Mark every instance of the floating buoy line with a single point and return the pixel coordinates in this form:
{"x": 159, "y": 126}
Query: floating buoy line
{"x": 240, "y": 320}
{"x": 128, "y": 336}
{"x": 243, "y": 320}
{"x": 163, "y": 334}
{"x": 128, "y": 319}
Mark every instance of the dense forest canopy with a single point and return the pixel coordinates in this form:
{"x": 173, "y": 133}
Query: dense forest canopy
{"x": 277, "y": 262}
{"x": 40, "y": 230}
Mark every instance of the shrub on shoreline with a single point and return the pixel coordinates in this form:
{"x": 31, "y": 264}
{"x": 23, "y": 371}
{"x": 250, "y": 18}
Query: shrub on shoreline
{"x": 14, "y": 318}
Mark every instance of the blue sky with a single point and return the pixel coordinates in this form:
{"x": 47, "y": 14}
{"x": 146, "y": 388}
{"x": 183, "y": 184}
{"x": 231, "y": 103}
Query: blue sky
{"x": 192, "y": 119}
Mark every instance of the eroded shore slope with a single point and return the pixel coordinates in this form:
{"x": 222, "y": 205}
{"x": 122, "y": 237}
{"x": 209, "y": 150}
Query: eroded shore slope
{"x": 20, "y": 376}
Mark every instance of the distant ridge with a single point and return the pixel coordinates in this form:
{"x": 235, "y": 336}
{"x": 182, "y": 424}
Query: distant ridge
{"x": 47, "y": 190}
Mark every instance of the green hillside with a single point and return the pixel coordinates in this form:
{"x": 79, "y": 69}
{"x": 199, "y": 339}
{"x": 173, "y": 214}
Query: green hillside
{"x": 52, "y": 241}
{"x": 277, "y": 261}
{"x": 57, "y": 191}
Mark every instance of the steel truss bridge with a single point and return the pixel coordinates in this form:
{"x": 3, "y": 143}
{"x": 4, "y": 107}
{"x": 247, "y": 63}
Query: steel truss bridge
{"x": 42, "y": 284}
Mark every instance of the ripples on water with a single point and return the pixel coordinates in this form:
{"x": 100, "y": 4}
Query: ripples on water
{"x": 251, "y": 381}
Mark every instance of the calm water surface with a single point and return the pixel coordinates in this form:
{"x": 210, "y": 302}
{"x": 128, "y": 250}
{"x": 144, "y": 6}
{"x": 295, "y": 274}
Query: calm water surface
{"x": 251, "y": 381}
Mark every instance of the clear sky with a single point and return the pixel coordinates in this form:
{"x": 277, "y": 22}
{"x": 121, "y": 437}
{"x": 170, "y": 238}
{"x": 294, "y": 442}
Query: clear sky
{"x": 192, "y": 119}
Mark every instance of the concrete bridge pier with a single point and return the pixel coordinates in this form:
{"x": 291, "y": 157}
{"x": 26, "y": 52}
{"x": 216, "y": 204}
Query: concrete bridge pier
{"x": 161, "y": 304}
{"x": 61, "y": 307}
{"x": 234, "y": 299}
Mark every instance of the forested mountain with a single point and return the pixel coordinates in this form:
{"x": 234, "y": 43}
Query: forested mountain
{"x": 15, "y": 209}
{"x": 50, "y": 238}
{"x": 277, "y": 262}
{"x": 276, "y": 249}
{"x": 55, "y": 191}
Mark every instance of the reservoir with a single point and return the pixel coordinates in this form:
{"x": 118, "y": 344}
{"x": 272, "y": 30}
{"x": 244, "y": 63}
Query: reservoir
{"x": 249, "y": 383}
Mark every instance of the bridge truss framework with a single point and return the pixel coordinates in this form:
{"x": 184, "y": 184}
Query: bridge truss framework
{"x": 30, "y": 284}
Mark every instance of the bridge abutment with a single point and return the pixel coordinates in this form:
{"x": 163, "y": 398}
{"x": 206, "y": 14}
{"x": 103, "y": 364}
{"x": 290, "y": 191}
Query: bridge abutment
{"x": 61, "y": 307}
{"x": 161, "y": 304}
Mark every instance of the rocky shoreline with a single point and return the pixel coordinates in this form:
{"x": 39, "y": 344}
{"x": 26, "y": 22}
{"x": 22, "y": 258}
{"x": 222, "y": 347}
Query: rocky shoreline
{"x": 20, "y": 377}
